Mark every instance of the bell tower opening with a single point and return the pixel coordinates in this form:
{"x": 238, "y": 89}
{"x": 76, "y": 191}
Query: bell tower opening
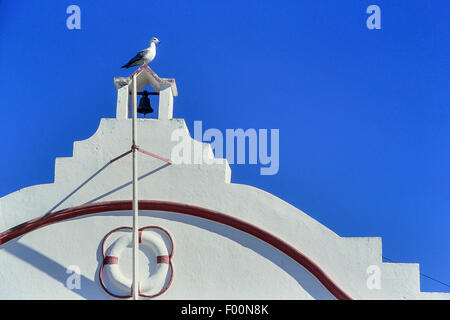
{"x": 154, "y": 94}
{"x": 148, "y": 100}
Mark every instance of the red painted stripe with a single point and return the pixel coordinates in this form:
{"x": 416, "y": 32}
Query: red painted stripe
{"x": 121, "y": 156}
{"x": 162, "y": 259}
{"x": 111, "y": 260}
{"x": 153, "y": 155}
{"x": 125, "y": 205}
{"x": 147, "y": 68}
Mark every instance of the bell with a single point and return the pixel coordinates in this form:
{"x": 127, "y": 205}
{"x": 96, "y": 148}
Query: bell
{"x": 144, "y": 105}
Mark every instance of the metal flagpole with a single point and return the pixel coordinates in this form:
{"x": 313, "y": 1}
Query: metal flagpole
{"x": 135, "y": 284}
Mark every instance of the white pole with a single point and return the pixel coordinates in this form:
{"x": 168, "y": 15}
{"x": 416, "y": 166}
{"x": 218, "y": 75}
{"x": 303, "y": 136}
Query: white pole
{"x": 135, "y": 199}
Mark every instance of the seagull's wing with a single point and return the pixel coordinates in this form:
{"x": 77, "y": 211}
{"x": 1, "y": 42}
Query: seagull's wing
{"x": 136, "y": 60}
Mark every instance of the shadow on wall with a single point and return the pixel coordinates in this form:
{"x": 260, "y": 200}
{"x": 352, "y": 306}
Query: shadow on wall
{"x": 77, "y": 188}
{"x": 89, "y": 289}
{"x": 129, "y": 183}
{"x": 92, "y": 290}
{"x": 107, "y": 193}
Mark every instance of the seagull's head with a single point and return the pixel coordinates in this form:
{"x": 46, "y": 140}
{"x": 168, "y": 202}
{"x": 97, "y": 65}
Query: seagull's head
{"x": 155, "y": 40}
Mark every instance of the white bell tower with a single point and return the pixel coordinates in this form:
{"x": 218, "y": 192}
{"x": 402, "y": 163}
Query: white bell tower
{"x": 166, "y": 88}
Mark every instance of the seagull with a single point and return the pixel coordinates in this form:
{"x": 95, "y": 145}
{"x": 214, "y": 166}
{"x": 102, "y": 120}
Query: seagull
{"x": 144, "y": 56}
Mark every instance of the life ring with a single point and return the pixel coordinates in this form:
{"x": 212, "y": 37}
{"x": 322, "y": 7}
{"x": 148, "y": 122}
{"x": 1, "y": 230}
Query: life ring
{"x": 152, "y": 241}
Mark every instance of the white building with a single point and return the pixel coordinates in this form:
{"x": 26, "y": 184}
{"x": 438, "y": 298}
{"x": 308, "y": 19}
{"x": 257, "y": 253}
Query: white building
{"x": 212, "y": 239}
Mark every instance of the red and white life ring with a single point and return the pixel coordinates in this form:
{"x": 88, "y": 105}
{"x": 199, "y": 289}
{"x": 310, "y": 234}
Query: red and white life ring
{"x": 152, "y": 241}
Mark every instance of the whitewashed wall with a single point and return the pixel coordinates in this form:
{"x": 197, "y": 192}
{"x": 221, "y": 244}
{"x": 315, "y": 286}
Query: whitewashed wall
{"x": 211, "y": 261}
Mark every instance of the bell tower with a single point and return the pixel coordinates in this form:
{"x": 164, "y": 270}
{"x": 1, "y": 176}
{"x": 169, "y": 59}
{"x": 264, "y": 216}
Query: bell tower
{"x": 166, "y": 88}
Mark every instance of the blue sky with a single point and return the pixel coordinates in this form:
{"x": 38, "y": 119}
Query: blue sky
{"x": 364, "y": 115}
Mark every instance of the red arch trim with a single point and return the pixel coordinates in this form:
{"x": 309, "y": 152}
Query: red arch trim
{"x": 181, "y": 208}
